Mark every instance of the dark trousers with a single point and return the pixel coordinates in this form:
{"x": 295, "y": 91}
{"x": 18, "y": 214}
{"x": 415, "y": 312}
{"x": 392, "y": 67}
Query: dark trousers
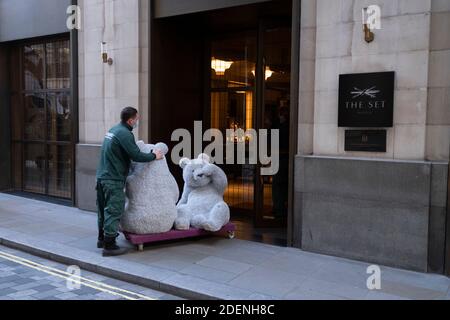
{"x": 110, "y": 206}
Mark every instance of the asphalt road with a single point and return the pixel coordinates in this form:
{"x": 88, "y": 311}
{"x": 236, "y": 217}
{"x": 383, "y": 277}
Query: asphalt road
{"x": 27, "y": 277}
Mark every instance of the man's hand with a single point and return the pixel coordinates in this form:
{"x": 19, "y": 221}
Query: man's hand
{"x": 159, "y": 155}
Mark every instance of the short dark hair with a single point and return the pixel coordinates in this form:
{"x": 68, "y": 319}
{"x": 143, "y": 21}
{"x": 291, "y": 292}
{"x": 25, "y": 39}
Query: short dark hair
{"x": 128, "y": 113}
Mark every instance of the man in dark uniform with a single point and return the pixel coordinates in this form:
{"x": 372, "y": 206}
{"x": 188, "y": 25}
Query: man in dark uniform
{"x": 118, "y": 149}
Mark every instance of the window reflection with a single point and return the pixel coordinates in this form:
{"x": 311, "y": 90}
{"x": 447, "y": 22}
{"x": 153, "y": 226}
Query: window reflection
{"x": 58, "y": 117}
{"x": 34, "y": 168}
{"x": 277, "y": 57}
{"x": 58, "y": 65}
{"x": 59, "y": 171}
{"x": 232, "y": 107}
{"x": 47, "y": 136}
{"x": 34, "y": 105}
{"x": 33, "y": 66}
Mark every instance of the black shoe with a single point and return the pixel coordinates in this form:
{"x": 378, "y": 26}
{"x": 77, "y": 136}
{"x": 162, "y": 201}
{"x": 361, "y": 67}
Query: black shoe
{"x": 100, "y": 244}
{"x": 111, "y": 249}
{"x": 101, "y": 239}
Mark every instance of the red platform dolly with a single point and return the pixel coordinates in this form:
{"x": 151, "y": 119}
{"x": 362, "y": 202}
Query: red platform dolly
{"x": 141, "y": 239}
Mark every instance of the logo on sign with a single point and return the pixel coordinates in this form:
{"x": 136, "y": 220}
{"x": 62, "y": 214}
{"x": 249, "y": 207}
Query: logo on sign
{"x": 371, "y": 92}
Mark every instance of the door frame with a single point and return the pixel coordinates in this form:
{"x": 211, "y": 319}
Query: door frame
{"x": 74, "y": 101}
{"x": 447, "y": 232}
{"x": 259, "y": 91}
{"x": 295, "y": 95}
{"x": 260, "y": 95}
{"x": 295, "y": 79}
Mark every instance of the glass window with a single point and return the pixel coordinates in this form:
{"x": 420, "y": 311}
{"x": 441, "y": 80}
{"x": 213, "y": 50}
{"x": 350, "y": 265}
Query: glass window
{"x": 34, "y": 168}
{"x": 58, "y": 117}
{"x": 33, "y": 66}
{"x": 16, "y": 150}
{"x": 34, "y": 105}
{"x": 42, "y": 120}
{"x": 233, "y": 62}
{"x": 58, "y": 65}
{"x": 59, "y": 171}
{"x": 277, "y": 58}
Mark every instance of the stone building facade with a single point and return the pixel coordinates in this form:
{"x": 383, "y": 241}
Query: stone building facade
{"x": 387, "y": 207}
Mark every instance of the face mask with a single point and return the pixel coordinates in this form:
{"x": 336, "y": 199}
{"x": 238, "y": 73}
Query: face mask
{"x": 136, "y": 124}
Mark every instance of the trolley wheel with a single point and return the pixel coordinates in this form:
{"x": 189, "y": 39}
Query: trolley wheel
{"x": 141, "y": 247}
{"x": 231, "y": 235}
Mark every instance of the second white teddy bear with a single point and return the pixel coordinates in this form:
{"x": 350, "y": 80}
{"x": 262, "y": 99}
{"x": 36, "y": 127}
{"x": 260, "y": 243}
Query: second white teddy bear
{"x": 201, "y": 205}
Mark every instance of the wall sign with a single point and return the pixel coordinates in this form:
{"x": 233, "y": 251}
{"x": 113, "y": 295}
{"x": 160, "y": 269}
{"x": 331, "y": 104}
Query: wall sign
{"x": 366, "y": 100}
{"x": 365, "y": 140}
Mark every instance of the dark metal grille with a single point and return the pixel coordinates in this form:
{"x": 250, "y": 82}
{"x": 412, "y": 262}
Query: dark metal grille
{"x": 43, "y": 147}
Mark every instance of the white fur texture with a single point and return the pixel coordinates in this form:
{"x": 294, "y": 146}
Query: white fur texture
{"x": 152, "y": 194}
{"x": 201, "y": 205}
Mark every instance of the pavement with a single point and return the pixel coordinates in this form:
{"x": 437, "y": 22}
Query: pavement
{"x": 26, "y": 277}
{"x": 206, "y": 268}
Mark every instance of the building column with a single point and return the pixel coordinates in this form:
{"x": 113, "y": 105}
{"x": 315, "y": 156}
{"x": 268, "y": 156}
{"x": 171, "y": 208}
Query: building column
{"x": 104, "y": 90}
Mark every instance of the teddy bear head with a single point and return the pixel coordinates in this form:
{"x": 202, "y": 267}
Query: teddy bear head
{"x": 197, "y": 172}
{"x": 147, "y": 148}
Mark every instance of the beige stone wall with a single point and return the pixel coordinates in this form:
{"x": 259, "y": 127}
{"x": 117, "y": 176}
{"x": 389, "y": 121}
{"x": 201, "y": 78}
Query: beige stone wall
{"x": 333, "y": 43}
{"x": 105, "y": 90}
{"x": 307, "y": 76}
{"x": 438, "y": 116}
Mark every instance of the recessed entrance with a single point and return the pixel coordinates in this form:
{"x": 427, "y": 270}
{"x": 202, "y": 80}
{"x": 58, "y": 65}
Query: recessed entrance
{"x": 231, "y": 69}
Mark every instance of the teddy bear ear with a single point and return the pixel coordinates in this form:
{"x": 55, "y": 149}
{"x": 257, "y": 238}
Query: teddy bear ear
{"x": 140, "y": 144}
{"x": 162, "y": 147}
{"x": 184, "y": 162}
{"x": 204, "y": 157}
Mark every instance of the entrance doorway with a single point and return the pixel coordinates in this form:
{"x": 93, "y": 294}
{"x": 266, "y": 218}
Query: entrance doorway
{"x": 233, "y": 71}
{"x": 41, "y": 118}
{"x": 250, "y": 89}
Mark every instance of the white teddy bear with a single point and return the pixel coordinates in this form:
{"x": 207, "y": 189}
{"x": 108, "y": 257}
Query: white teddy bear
{"x": 201, "y": 205}
{"x": 152, "y": 194}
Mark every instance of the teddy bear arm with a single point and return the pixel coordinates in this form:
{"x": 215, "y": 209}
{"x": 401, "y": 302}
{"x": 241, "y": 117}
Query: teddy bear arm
{"x": 219, "y": 180}
{"x": 185, "y": 195}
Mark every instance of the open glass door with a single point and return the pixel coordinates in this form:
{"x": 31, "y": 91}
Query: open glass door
{"x": 233, "y": 60}
{"x": 250, "y": 89}
{"x": 275, "y": 70}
